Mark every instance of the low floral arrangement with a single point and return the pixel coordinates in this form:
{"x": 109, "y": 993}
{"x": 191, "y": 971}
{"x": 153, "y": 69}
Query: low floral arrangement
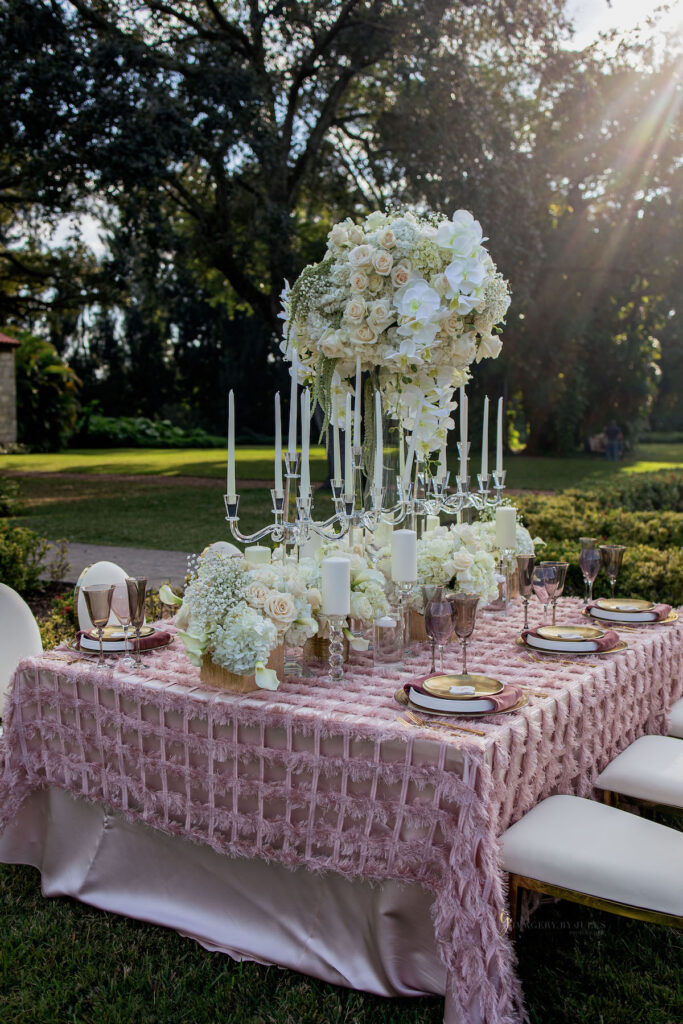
{"x": 459, "y": 557}
{"x": 238, "y": 614}
{"x": 417, "y": 298}
{"x": 486, "y": 533}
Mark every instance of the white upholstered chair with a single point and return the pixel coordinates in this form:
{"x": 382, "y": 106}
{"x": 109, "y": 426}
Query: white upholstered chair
{"x": 586, "y": 852}
{"x": 98, "y": 572}
{"x": 19, "y": 635}
{"x": 650, "y": 769}
{"x": 676, "y": 720}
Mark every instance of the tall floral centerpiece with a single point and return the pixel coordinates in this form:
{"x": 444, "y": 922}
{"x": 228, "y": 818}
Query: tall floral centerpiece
{"x": 413, "y": 301}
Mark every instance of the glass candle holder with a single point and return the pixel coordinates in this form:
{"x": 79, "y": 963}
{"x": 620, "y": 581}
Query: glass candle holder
{"x": 388, "y": 640}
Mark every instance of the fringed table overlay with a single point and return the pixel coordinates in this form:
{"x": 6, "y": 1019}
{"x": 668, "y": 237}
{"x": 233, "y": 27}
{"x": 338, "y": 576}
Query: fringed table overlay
{"x": 333, "y": 778}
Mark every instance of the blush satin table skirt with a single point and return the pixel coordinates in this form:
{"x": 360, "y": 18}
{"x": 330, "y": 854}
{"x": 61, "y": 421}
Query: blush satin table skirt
{"x": 374, "y": 938}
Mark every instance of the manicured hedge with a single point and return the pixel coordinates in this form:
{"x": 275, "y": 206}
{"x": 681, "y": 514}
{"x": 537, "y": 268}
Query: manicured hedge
{"x": 140, "y": 432}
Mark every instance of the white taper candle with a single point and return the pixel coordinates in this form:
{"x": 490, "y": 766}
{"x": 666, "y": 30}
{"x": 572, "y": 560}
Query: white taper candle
{"x": 499, "y": 438}
{"x": 291, "y": 447}
{"x": 348, "y": 461}
{"x": 231, "y": 447}
{"x": 278, "y": 448}
{"x": 335, "y": 437}
{"x": 305, "y": 487}
{"x": 379, "y": 443}
{"x": 485, "y": 439}
{"x": 356, "y": 408}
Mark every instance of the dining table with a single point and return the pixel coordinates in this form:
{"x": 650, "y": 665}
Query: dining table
{"x": 323, "y": 826}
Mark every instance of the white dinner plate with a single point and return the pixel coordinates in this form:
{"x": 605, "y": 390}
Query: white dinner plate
{"x": 570, "y": 646}
{"x": 608, "y": 616}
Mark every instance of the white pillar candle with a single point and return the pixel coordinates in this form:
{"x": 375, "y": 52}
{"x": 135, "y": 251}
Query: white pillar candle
{"x": 431, "y": 523}
{"x": 291, "y": 447}
{"x": 356, "y": 408}
{"x": 499, "y": 438}
{"x": 404, "y": 556}
{"x": 506, "y": 528}
{"x": 310, "y": 546}
{"x": 348, "y": 463}
{"x": 231, "y": 447}
{"x": 382, "y": 535}
{"x": 305, "y": 487}
{"x": 485, "y": 439}
{"x": 379, "y": 443}
{"x": 335, "y": 438}
{"x": 278, "y": 448}
{"x": 336, "y": 586}
{"x": 257, "y": 554}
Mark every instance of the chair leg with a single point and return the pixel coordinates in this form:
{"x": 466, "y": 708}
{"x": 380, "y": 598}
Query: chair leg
{"x": 513, "y": 896}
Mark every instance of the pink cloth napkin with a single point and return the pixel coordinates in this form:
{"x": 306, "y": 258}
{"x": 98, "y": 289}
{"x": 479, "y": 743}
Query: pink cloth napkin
{"x": 147, "y": 643}
{"x": 661, "y": 611}
{"x": 508, "y": 696}
{"x": 603, "y": 643}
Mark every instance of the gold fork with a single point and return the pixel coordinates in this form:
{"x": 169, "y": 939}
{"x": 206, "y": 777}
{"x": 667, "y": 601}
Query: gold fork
{"x": 414, "y": 720}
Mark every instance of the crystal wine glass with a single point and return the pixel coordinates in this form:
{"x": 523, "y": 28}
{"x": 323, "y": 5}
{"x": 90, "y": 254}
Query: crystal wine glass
{"x": 612, "y": 557}
{"x": 98, "y": 602}
{"x": 464, "y": 616}
{"x": 121, "y": 609}
{"x": 439, "y": 625}
{"x": 590, "y": 560}
{"x": 137, "y": 589}
{"x": 525, "y": 571}
{"x": 431, "y": 592}
{"x": 544, "y": 582}
{"x": 561, "y": 577}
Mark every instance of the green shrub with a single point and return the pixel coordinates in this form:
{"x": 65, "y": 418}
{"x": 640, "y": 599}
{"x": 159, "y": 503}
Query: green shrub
{"x": 99, "y": 431}
{"x": 60, "y": 624}
{"x": 47, "y": 395}
{"x": 9, "y": 497}
{"x": 642, "y": 491}
{"x": 21, "y": 555}
{"x": 561, "y": 516}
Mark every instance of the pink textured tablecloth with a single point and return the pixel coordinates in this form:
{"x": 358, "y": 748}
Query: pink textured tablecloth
{"x": 331, "y": 778}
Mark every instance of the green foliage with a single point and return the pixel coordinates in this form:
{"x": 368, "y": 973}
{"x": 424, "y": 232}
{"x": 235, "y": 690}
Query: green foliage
{"x": 9, "y": 497}
{"x": 61, "y": 623}
{"x": 21, "y": 555}
{"x": 140, "y": 432}
{"x": 47, "y": 390}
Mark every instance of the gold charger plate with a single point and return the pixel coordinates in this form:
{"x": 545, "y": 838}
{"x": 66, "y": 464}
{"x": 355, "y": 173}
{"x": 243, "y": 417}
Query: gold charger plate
{"x": 624, "y": 604}
{"x": 569, "y": 633}
{"x": 621, "y": 646}
{"x": 401, "y": 698}
{"x": 114, "y": 634}
{"x": 439, "y": 686}
{"x": 671, "y": 617}
{"x": 74, "y": 645}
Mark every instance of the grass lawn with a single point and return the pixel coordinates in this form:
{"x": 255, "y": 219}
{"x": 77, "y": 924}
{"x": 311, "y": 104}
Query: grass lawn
{"x": 90, "y": 508}
{"x": 65, "y": 963}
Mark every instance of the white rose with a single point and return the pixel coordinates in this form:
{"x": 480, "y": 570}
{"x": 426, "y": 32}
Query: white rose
{"x": 358, "y": 281}
{"x": 361, "y": 256}
{"x": 280, "y": 609}
{"x": 332, "y": 343}
{"x": 462, "y": 561}
{"x": 400, "y": 275}
{"x": 464, "y": 349}
{"x": 354, "y": 312}
{"x": 382, "y": 262}
{"x": 256, "y": 594}
{"x": 380, "y": 314}
{"x": 339, "y": 235}
{"x": 364, "y": 335}
{"x": 361, "y": 607}
{"x": 387, "y": 238}
{"x": 375, "y": 283}
{"x": 355, "y": 235}
{"x": 452, "y": 324}
{"x": 263, "y": 574}
{"x": 314, "y": 598}
{"x": 489, "y": 347}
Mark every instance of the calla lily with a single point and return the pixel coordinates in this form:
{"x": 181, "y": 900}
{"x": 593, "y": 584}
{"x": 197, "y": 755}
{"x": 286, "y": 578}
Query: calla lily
{"x": 356, "y": 643}
{"x": 168, "y": 597}
{"x": 194, "y": 645}
{"x": 265, "y": 678}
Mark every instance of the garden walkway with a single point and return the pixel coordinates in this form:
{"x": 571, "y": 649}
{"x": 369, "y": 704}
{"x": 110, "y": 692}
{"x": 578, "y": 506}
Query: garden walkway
{"x": 158, "y": 566}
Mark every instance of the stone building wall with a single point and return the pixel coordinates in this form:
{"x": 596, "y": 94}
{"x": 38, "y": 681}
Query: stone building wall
{"x": 8, "y": 397}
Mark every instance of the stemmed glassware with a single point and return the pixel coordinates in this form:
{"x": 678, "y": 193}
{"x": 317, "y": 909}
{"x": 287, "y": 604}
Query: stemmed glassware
{"x": 439, "y": 624}
{"x": 590, "y": 560}
{"x": 525, "y": 571}
{"x": 137, "y": 589}
{"x": 612, "y": 557}
{"x": 561, "y": 577}
{"x": 98, "y": 602}
{"x": 121, "y": 609}
{"x": 432, "y": 592}
{"x": 464, "y": 616}
{"x": 544, "y": 581}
